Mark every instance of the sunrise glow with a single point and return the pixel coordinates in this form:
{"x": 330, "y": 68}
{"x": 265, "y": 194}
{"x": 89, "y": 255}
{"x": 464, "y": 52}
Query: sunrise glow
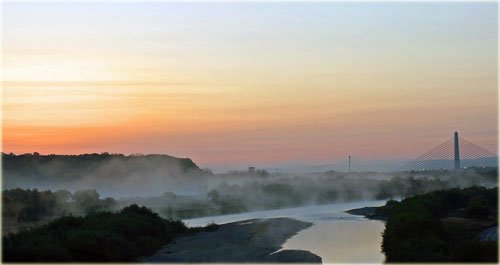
{"x": 248, "y": 83}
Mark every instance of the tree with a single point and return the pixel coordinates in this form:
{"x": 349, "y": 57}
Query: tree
{"x": 214, "y": 196}
{"x": 477, "y": 207}
{"x": 87, "y": 200}
{"x": 62, "y": 196}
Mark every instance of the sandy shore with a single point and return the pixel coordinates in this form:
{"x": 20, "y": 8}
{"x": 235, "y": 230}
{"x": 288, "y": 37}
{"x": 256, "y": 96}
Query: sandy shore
{"x": 256, "y": 240}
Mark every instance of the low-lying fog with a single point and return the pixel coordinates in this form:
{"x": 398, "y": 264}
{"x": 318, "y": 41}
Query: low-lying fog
{"x": 179, "y": 188}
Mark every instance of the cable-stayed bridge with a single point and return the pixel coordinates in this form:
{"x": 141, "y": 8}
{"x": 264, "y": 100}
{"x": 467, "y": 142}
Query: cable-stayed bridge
{"x": 455, "y": 153}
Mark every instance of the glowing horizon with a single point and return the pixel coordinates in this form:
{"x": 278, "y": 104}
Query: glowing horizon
{"x": 253, "y": 82}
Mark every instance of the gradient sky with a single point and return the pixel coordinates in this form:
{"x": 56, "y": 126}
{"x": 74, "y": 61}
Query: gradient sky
{"x": 252, "y": 83}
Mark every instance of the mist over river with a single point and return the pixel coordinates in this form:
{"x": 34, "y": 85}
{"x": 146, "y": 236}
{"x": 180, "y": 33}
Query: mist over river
{"x": 335, "y": 235}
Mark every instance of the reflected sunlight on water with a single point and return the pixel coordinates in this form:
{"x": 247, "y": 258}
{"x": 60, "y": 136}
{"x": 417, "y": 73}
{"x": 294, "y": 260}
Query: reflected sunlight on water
{"x": 342, "y": 241}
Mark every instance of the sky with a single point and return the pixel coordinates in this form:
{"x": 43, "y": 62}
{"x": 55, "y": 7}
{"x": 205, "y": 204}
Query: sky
{"x": 233, "y": 84}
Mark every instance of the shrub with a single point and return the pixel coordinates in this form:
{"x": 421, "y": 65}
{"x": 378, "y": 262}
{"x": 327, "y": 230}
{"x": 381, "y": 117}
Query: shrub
{"x": 124, "y": 236}
{"x": 414, "y": 231}
{"x": 477, "y": 207}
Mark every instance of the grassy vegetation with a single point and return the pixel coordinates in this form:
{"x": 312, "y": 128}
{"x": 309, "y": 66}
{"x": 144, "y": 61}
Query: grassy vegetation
{"x": 101, "y": 236}
{"x": 441, "y": 226}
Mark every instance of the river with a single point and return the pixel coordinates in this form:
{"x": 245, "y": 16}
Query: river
{"x": 335, "y": 236}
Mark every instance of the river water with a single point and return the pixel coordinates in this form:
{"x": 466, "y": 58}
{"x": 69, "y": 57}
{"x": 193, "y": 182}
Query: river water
{"x": 335, "y": 236}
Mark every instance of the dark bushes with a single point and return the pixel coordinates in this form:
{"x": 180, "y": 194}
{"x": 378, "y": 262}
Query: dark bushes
{"x": 124, "y": 236}
{"x": 477, "y": 207}
{"x": 415, "y": 231}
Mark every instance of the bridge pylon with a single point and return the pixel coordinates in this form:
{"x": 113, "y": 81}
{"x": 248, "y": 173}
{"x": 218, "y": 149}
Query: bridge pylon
{"x": 457, "y": 152}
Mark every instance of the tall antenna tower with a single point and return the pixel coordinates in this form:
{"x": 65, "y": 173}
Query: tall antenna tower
{"x": 349, "y": 164}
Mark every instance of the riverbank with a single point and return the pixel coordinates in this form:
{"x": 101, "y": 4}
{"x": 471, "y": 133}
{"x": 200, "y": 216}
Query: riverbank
{"x": 368, "y": 212}
{"x": 255, "y": 240}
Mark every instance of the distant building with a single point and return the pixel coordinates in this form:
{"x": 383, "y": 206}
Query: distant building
{"x": 251, "y": 169}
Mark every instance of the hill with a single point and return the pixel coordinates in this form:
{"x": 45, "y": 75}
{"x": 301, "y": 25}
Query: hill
{"x": 95, "y": 171}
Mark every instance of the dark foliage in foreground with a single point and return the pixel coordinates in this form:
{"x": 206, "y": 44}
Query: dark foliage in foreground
{"x": 415, "y": 230}
{"x": 103, "y": 236}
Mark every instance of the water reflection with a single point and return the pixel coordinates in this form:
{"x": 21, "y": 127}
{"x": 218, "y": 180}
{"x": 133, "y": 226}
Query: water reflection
{"x": 335, "y": 236}
{"x": 342, "y": 241}
{"x": 313, "y": 213}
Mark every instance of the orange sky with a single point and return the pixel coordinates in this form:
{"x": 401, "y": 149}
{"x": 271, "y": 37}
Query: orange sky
{"x": 234, "y": 83}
